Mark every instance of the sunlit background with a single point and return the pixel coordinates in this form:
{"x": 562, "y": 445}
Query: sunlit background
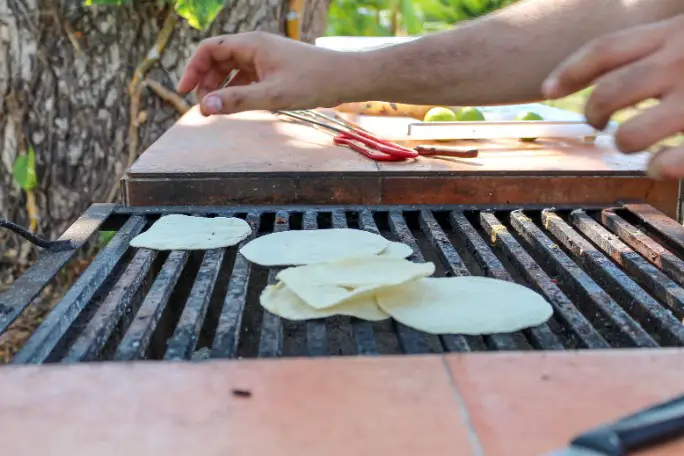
{"x": 416, "y": 17}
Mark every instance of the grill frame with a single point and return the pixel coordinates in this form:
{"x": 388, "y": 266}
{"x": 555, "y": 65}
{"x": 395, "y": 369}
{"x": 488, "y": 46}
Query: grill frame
{"x": 583, "y": 257}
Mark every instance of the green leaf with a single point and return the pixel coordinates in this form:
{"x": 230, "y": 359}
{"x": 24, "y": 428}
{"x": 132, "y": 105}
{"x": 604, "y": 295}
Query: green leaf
{"x": 412, "y": 23}
{"x": 106, "y": 2}
{"x": 199, "y": 13}
{"x": 24, "y": 170}
{"x": 104, "y": 238}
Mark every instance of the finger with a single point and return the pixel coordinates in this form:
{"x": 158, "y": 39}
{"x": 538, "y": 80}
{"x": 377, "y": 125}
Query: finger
{"x": 653, "y": 125}
{"x": 211, "y": 81}
{"x": 230, "y": 100}
{"x": 667, "y": 164}
{"x": 623, "y": 88}
{"x": 601, "y": 56}
{"x": 242, "y": 78}
{"x": 208, "y": 54}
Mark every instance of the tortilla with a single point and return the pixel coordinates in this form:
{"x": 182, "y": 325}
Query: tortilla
{"x": 397, "y": 250}
{"x": 281, "y": 301}
{"x": 184, "y": 232}
{"x": 304, "y": 247}
{"x": 464, "y": 305}
{"x": 325, "y": 285}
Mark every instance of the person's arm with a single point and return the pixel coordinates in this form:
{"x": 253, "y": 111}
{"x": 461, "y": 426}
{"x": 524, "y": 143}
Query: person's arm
{"x": 500, "y": 58}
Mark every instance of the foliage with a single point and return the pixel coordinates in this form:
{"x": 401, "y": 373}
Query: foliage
{"x": 199, "y": 13}
{"x": 403, "y": 17}
{"x": 24, "y": 170}
{"x": 104, "y": 237}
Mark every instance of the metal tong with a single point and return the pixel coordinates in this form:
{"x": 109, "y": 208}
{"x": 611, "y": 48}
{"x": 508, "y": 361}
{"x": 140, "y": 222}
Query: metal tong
{"x": 645, "y": 428}
{"x": 354, "y": 137}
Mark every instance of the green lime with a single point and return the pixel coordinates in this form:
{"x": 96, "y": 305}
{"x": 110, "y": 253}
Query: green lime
{"x": 529, "y": 115}
{"x": 440, "y": 114}
{"x": 470, "y": 115}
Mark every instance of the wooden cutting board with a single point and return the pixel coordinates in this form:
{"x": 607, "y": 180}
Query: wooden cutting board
{"x": 257, "y": 158}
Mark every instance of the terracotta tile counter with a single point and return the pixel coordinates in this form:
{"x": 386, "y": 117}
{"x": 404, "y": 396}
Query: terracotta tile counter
{"x": 487, "y": 404}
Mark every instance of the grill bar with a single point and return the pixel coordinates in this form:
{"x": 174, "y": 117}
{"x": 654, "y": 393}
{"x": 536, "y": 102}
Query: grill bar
{"x": 455, "y": 267}
{"x": 88, "y": 346}
{"x": 271, "y": 338}
{"x": 668, "y": 228}
{"x": 182, "y": 343}
{"x": 611, "y": 275}
{"x": 316, "y": 332}
{"x": 670, "y": 263}
{"x": 362, "y": 331}
{"x": 541, "y": 336}
{"x": 528, "y": 268}
{"x": 39, "y": 347}
{"x": 648, "y": 275}
{"x": 27, "y": 287}
{"x": 491, "y": 267}
{"x": 403, "y": 234}
{"x": 230, "y": 320}
{"x": 410, "y": 340}
{"x": 603, "y": 311}
{"x": 632, "y": 297}
{"x": 137, "y": 339}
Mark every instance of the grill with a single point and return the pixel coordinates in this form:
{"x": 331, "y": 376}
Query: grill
{"x": 614, "y": 276}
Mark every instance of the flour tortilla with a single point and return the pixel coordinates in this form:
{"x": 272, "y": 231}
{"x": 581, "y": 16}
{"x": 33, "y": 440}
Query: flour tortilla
{"x": 281, "y": 301}
{"x": 464, "y": 305}
{"x": 397, "y": 250}
{"x": 304, "y": 247}
{"x": 325, "y": 285}
{"x": 184, "y": 232}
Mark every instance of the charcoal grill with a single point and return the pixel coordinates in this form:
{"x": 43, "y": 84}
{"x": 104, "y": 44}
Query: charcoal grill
{"x": 614, "y": 276}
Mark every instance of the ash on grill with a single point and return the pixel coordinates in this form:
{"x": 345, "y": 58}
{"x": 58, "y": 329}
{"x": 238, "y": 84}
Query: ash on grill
{"x": 613, "y": 275}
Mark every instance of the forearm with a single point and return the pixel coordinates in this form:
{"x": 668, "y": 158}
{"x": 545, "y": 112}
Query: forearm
{"x": 501, "y": 58}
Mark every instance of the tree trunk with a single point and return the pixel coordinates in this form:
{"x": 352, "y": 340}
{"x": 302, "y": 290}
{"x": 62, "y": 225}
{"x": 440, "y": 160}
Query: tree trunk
{"x": 64, "y": 72}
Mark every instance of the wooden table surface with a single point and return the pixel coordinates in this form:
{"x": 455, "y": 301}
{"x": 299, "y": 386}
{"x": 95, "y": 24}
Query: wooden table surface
{"x": 255, "y": 158}
{"x": 521, "y": 404}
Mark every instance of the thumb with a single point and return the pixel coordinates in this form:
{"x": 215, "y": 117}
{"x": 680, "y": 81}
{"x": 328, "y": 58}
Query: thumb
{"x": 252, "y": 97}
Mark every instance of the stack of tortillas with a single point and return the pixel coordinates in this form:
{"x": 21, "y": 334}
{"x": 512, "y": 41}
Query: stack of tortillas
{"x": 354, "y": 273}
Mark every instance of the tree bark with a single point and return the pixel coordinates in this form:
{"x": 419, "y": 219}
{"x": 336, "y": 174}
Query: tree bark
{"x": 64, "y": 73}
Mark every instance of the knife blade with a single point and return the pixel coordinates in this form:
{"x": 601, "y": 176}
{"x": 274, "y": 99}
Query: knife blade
{"x": 647, "y": 427}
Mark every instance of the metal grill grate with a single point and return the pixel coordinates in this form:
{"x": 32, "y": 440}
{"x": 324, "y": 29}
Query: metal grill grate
{"x": 613, "y": 275}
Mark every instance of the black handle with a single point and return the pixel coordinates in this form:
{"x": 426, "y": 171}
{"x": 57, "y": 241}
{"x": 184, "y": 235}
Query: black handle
{"x": 53, "y": 246}
{"x": 644, "y": 428}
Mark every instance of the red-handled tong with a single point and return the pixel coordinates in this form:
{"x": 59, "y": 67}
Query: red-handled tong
{"x": 356, "y": 139}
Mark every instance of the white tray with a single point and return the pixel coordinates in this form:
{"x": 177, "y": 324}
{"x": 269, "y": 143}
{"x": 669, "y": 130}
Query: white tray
{"x": 500, "y": 123}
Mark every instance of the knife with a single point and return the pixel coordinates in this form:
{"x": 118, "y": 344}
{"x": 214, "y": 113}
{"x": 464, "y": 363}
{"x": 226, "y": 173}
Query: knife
{"x": 645, "y": 428}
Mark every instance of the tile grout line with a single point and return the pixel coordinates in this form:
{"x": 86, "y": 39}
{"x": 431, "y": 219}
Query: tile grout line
{"x": 475, "y": 444}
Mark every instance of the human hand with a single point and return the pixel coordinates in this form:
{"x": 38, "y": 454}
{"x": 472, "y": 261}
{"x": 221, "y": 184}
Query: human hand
{"x": 274, "y": 73}
{"x": 626, "y": 68}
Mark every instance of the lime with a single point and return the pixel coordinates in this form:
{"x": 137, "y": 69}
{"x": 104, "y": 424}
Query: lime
{"x": 469, "y": 115}
{"x": 440, "y": 114}
{"x": 529, "y": 115}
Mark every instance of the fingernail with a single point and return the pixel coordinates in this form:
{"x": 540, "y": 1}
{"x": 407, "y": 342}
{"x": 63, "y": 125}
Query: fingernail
{"x": 213, "y": 105}
{"x": 550, "y": 87}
